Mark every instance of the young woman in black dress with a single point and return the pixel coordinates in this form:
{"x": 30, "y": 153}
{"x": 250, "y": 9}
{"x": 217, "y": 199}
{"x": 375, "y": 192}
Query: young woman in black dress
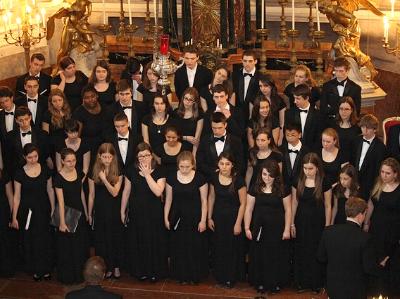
{"x": 383, "y": 223}
{"x": 267, "y": 225}
{"x": 70, "y": 81}
{"x": 221, "y": 76}
{"x": 346, "y": 188}
{"x": 33, "y": 205}
{"x": 104, "y": 208}
{"x": 226, "y": 205}
{"x": 142, "y": 205}
{"x": 79, "y": 145}
{"x": 104, "y": 85}
{"x": 185, "y": 215}
{"x": 72, "y": 247}
{"x": 311, "y": 213}
{"x": 7, "y": 249}
{"x": 188, "y": 118}
{"x": 264, "y": 149}
{"x": 262, "y": 117}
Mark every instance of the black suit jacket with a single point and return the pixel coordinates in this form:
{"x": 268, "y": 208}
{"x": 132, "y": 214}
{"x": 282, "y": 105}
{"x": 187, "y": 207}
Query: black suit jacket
{"x": 369, "y": 170}
{"x": 92, "y": 292}
{"x": 290, "y": 175}
{"x": 40, "y": 110}
{"x": 206, "y": 156}
{"x": 330, "y": 98}
{"x": 202, "y": 78}
{"x": 117, "y": 108}
{"x": 393, "y": 142}
{"x": 44, "y": 85}
{"x": 346, "y": 250}
{"x": 3, "y": 130}
{"x": 133, "y": 141}
{"x": 14, "y": 158}
{"x": 311, "y": 136}
{"x": 252, "y": 91}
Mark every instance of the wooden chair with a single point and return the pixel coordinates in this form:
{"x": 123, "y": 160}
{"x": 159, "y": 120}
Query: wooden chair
{"x": 387, "y": 124}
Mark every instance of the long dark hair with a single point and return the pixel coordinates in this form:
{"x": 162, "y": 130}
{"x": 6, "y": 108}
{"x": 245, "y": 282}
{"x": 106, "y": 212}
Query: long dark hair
{"x": 353, "y": 116}
{"x": 275, "y": 98}
{"x": 255, "y": 149}
{"x": 274, "y": 171}
{"x": 314, "y": 159}
{"x": 228, "y": 156}
{"x": 256, "y": 118}
{"x": 339, "y": 190}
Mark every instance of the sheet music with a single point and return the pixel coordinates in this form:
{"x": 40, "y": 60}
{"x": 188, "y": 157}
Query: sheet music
{"x": 259, "y": 234}
{"x": 28, "y": 219}
{"x": 177, "y": 223}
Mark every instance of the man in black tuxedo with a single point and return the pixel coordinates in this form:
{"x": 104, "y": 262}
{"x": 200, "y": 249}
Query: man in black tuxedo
{"x": 346, "y": 250}
{"x": 17, "y": 138}
{"x": 245, "y": 83}
{"x": 124, "y": 141}
{"x": 335, "y": 89}
{"x": 36, "y": 103}
{"x": 35, "y": 70}
{"x": 191, "y": 74}
{"x": 234, "y": 120}
{"x": 7, "y": 112}
{"x": 393, "y": 142}
{"x": 368, "y": 154}
{"x": 133, "y": 74}
{"x": 93, "y": 272}
{"x": 306, "y": 116}
{"x": 293, "y": 152}
{"x": 212, "y": 145}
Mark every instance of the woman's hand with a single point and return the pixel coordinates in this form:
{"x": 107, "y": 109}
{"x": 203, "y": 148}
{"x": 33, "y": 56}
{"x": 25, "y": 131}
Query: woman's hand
{"x": 211, "y": 224}
{"x": 123, "y": 217}
{"x": 14, "y": 224}
{"x": 366, "y": 227}
{"x": 202, "y": 226}
{"x": 237, "y": 229}
{"x": 383, "y": 262}
{"x": 63, "y": 228}
{"x": 293, "y": 231}
{"x": 102, "y": 175}
{"x": 167, "y": 225}
{"x": 286, "y": 235}
{"x": 62, "y": 75}
{"x": 248, "y": 234}
{"x": 145, "y": 169}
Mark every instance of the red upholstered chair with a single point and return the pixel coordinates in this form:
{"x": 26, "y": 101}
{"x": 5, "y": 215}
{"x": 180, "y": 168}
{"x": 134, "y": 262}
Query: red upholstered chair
{"x": 387, "y": 124}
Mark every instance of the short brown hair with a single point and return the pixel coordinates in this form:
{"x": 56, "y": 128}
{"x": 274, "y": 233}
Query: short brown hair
{"x": 302, "y": 90}
{"x": 94, "y": 269}
{"x": 355, "y": 206}
{"x": 341, "y": 61}
{"x": 38, "y": 56}
{"x": 370, "y": 121}
{"x": 190, "y": 49}
{"x": 122, "y": 85}
{"x": 251, "y": 53}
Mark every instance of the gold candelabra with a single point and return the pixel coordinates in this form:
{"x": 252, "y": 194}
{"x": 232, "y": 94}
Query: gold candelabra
{"x": 310, "y": 42}
{"x": 263, "y": 34}
{"x": 293, "y": 33}
{"x": 121, "y": 36}
{"x": 104, "y": 29}
{"x": 131, "y": 29}
{"x": 319, "y": 35}
{"x": 147, "y": 23}
{"x": 394, "y": 50}
{"x": 283, "y": 41}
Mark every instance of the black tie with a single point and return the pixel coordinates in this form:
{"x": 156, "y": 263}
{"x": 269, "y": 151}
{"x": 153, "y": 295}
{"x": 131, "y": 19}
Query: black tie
{"x": 27, "y": 133}
{"x": 293, "y": 151}
{"x": 247, "y": 74}
{"x": 122, "y": 138}
{"x": 365, "y": 140}
{"x": 31, "y": 100}
{"x": 222, "y": 138}
{"x": 340, "y": 83}
{"x": 9, "y": 113}
{"x": 305, "y": 111}
{"x": 126, "y": 107}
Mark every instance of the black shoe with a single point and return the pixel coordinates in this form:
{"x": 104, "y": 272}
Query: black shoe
{"x": 229, "y": 284}
{"x": 153, "y": 279}
{"x": 47, "y": 276}
{"x": 316, "y": 291}
{"x": 37, "y": 278}
{"x": 261, "y": 289}
{"x": 143, "y": 278}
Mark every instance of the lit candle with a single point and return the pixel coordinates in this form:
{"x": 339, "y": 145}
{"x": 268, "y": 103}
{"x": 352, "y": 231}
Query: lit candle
{"x": 5, "y": 23}
{"x": 43, "y": 13}
{"x": 191, "y": 41}
{"x": 318, "y": 22}
{"x": 104, "y": 12}
{"x": 293, "y": 20}
{"x": 155, "y": 14}
{"x": 386, "y": 29}
{"x": 217, "y": 42}
{"x": 19, "y": 25}
{"x": 262, "y": 14}
{"x": 37, "y": 17}
{"x": 392, "y": 11}
{"x": 130, "y": 12}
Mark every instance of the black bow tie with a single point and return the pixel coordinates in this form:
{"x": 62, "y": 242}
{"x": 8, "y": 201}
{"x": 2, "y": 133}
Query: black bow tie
{"x": 26, "y": 133}
{"x": 122, "y": 138}
{"x": 9, "y": 113}
{"x": 303, "y": 110}
{"x": 293, "y": 151}
{"x": 341, "y": 83}
{"x": 365, "y": 140}
{"x": 126, "y": 107}
{"x": 32, "y": 100}
{"x": 222, "y": 138}
{"x": 247, "y": 74}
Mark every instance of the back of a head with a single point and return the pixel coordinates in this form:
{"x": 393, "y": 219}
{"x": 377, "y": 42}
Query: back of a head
{"x": 355, "y": 206}
{"x": 94, "y": 270}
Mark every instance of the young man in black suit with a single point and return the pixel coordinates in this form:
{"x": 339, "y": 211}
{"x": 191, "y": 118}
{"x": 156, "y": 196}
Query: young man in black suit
{"x": 335, "y": 89}
{"x": 346, "y": 250}
{"x": 245, "y": 83}
{"x": 133, "y": 74}
{"x": 35, "y": 70}
{"x": 235, "y": 124}
{"x": 36, "y": 103}
{"x": 213, "y": 144}
{"x": 306, "y": 116}
{"x": 191, "y": 74}
{"x": 293, "y": 152}
{"x": 17, "y": 138}
{"x": 93, "y": 272}
{"x": 124, "y": 141}
{"x": 7, "y": 112}
{"x": 368, "y": 154}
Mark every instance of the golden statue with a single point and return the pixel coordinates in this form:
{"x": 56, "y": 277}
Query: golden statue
{"x": 341, "y": 16}
{"x": 76, "y": 33}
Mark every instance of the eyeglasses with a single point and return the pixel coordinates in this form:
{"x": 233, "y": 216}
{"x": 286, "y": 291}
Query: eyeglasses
{"x": 189, "y": 99}
{"x": 144, "y": 156}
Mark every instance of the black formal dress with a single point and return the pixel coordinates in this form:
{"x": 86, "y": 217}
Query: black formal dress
{"x": 346, "y": 138}
{"x": 310, "y": 223}
{"x": 7, "y": 246}
{"x": 188, "y": 252}
{"x": 107, "y": 226}
{"x": 147, "y": 236}
{"x": 202, "y": 78}
{"x": 228, "y": 248}
{"x": 82, "y": 150}
{"x": 385, "y": 233}
{"x": 91, "y": 292}
{"x": 156, "y": 132}
{"x": 107, "y": 97}
{"x": 348, "y": 253}
{"x": 44, "y": 84}
{"x": 41, "y": 108}
{"x": 332, "y": 169}
{"x": 35, "y": 229}
{"x": 72, "y": 248}
{"x": 272, "y": 123}
{"x": 315, "y": 95}
{"x": 73, "y": 90}
{"x": 187, "y": 127}
{"x": 269, "y": 255}
{"x": 276, "y": 156}
{"x": 341, "y": 212}
{"x": 167, "y": 161}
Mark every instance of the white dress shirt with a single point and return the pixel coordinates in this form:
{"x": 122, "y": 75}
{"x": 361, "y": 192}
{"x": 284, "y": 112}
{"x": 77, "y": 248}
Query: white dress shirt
{"x": 219, "y": 145}
{"x": 27, "y": 138}
{"x": 303, "y": 117}
{"x": 247, "y": 81}
{"x": 340, "y": 88}
{"x": 227, "y": 107}
{"x": 135, "y": 85}
{"x": 293, "y": 156}
{"x": 191, "y": 73}
{"x": 123, "y": 146}
{"x": 128, "y": 113}
{"x": 10, "y": 119}
{"x": 365, "y": 147}
{"x": 33, "y": 106}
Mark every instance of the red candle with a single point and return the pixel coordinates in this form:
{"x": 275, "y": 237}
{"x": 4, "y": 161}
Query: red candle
{"x": 164, "y": 44}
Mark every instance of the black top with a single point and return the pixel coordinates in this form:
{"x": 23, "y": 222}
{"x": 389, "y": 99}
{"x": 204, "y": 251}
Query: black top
{"x": 347, "y": 137}
{"x": 82, "y": 150}
{"x": 107, "y": 97}
{"x": 71, "y": 190}
{"x": 332, "y": 169}
{"x": 186, "y": 127}
{"x": 274, "y": 121}
{"x": 207, "y": 95}
{"x": 225, "y": 200}
{"x": 54, "y": 132}
{"x": 156, "y": 132}
{"x": 256, "y": 168}
{"x": 315, "y": 94}
{"x": 168, "y": 161}
{"x": 73, "y": 90}
{"x": 148, "y": 97}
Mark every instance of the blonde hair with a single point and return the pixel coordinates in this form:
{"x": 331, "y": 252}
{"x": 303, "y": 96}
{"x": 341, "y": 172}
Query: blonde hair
{"x": 301, "y": 67}
{"x": 113, "y": 171}
{"x": 186, "y": 156}
{"x": 57, "y": 119}
{"x": 395, "y": 166}
{"x": 332, "y": 133}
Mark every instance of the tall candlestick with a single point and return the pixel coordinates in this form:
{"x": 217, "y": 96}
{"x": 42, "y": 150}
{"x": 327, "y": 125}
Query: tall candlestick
{"x": 43, "y": 13}
{"x": 392, "y": 10}
{"x": 129, "y": 12}
{"x": 293, "y": 20}
{"x": 104, "y": 12}
{"x": 318, "y": 22}
{"x": 386, "y": 29}
{"x": 262, "y": 14}
{"x": 155, "y": 13}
